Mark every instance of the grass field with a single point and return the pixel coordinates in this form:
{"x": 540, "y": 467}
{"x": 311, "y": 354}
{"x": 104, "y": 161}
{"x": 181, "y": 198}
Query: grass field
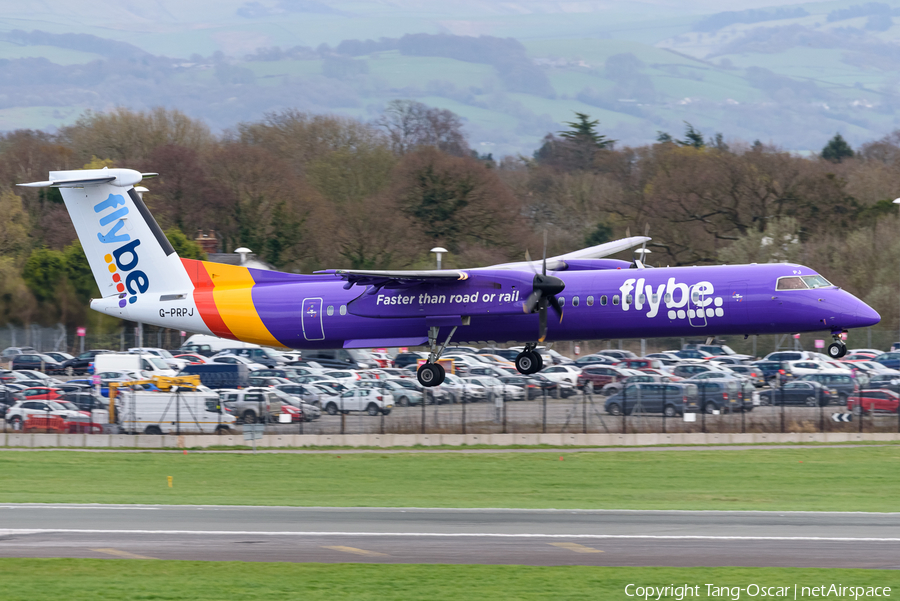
{"x": 121, "y": 580}
{"x": 815, "y": 479}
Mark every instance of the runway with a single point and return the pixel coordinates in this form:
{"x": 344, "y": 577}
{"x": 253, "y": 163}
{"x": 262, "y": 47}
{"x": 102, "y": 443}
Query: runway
{"x": 482, "y": 536}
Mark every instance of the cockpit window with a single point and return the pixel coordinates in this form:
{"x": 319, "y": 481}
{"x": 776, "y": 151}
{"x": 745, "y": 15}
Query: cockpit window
{"x": 791, "y": 283}
{"x": 816, "y": 281}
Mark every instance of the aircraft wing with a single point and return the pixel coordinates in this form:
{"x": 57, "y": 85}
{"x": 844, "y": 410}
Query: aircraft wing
{"x": 389, "y": 279}
{"x": 558, "y": 262}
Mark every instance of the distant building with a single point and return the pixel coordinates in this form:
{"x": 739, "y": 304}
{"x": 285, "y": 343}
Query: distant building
{"x": 207, "y": 241}
{"x": 241, "y": 256}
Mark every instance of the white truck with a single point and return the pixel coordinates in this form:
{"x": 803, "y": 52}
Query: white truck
{"x": 173, "y": 412}
{"x": 150, "y": 365}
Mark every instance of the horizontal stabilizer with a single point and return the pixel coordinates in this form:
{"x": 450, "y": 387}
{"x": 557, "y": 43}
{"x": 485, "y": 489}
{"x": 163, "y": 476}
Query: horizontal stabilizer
{"x": 120, "y": 178}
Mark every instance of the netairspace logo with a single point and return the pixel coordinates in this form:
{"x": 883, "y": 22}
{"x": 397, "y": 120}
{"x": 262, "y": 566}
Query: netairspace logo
{"x": 755, "y": 591}
{"x": 123, "y": 259}
{"x": 683, "y": 301}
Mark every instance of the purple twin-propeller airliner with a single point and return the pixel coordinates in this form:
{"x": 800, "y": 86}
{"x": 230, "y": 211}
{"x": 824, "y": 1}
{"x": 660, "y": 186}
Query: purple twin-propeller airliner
{"x": 141, "y": 278}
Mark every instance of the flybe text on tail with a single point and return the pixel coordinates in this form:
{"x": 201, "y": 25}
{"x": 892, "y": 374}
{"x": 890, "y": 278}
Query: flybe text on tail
{"x": 122, "y": 257}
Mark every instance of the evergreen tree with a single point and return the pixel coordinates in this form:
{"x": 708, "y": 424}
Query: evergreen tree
{"x": 583, "y": 132}
{"x": 692, "y": 137}
{"x": 837, "y": 149}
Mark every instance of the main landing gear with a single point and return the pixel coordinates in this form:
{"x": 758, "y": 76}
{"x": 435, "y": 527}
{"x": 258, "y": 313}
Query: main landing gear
{"x": 431, "y": 373}
{"x": 529, "y": 361}
{"x": 837, "y": 349}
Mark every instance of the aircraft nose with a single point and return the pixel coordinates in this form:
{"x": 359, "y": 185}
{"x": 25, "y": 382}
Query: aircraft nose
{"x": 866, "y": 315}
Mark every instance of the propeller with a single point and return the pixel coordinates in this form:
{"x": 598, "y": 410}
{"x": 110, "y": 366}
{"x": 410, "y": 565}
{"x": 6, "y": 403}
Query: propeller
{"x": 544, "y": 290}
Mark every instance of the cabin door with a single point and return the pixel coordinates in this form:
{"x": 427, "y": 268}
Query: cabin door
{"x": 311, "y": 318}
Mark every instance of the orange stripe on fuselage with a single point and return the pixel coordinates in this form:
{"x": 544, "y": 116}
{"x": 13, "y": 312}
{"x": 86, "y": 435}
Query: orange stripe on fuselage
{"x": 204, "y": 299}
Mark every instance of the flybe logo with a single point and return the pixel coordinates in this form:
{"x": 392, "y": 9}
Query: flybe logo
{"x": 697, "y": 301}
{"x": 122, "y": 260}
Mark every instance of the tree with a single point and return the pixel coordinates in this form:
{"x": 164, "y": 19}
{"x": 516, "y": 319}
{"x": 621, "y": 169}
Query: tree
{"x": 184, "y": 246}
{"x": 583, "y": 132}
{"x": 837, "y": 149}
{"x": 410, "y": 124}
{"x": 692, "y": 137}
{"x": 14, "y": 224}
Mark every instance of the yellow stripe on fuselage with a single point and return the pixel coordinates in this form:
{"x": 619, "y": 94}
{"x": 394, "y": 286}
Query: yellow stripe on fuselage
{"x": 234, "y": 300}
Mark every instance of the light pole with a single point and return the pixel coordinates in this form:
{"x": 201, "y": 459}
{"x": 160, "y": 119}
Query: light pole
{"x": 897, "y": 202}
{"x": 438, "y": 251}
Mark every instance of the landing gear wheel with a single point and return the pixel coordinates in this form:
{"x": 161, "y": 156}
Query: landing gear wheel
{"x": 442, "y": 370}
{"x": 836, "y": 350}
{"x": 430, "y": 374}
{"x": 529, "y": 362}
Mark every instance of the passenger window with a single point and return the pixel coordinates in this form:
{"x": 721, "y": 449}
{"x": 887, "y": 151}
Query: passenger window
{"x": 667, "y": 298}
{"x": 603, "y": 300}
{"x": 343, "y": 309}
{"x": 629, "y": 299}
{"x": 574, "y": 301}
{"x": 590, "y": 301}
{"x": 330, "y": 310}
{"x": 615, "y": 299}
{"x": 642, "y": 299}
{"x": 791, "y": 283}
{"x": 562, "y": 301}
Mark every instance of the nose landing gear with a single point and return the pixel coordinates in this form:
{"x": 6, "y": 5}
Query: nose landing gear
{"x": 529, "y": 361}
{"x": 837, "y": 349}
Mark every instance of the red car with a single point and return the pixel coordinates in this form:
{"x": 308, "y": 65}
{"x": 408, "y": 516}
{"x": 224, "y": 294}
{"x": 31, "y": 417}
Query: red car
{"x": 40, "y": 393}
{"x": 192, "y": 359}
{"x": 640, "y": 363}
{"x": 601, "y": 375}
{"x": 874, "y": 400}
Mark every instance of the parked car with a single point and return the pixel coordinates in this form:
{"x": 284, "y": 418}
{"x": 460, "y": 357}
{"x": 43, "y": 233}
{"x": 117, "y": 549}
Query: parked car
{"x": 616, "y": 387}
{"x": 641, "y": 363}
{"x": 340, "y": 358}
{"x": 692, "y": 354}
{"x": 359, "y": 399}
{"x": 487, "y": 370}
{"x": 305, "y": 392}
{"x": 42, "y": 393}
{"x": 11, "y": 351}
{"x": 459, "y": 389}
{"x": 496, "y": 388}
{"x": 263, "y": 356}
{"x": 884, "y": 381}
{"x": 79, "y": 365}
{"x": 86, "y": 400}
{"x": 36, "y": 361}
{"x": 670, "y": 399}
{"x": 890, "y": 359}
{"x": 868, "y": 401}
{"x": 402, "y": 394}
{"x": 408, "y": 358}
{"x": 601, "y": 375}
{"x": 60, "y": 357}
{"x": 799, "y": 392}
{"x": 688, "y": 370}
{"x": 193, "y": 358}
{"x": 667, "y": 358}
{"x": 841, "y": 382}
{"x": 617, "y": 354}
{"x": 252, "y": 405}
{"x": 567, "y": 373}
{"x": 233, "y": 360}
{"x": 751, "y": 372}
{"x": 19, "y": 412}
{"x": 789, "y": 356}
{"x": 167, "y": 357}
{"x": 595, "y": 360}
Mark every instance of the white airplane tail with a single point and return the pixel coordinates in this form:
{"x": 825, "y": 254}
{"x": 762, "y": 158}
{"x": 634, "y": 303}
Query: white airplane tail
{"x": 129, "y": 255}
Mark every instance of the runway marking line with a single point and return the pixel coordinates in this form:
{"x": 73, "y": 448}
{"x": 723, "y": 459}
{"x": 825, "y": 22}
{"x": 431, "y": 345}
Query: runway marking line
{"x": 576, "y": 547}
{"x": 835, "y": 539}
{"x": 355, "y": 551}
{"x": 120, "y": 553}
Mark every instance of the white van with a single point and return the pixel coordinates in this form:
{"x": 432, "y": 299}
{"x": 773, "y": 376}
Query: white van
{"x": 215, "y": 343}
{"x": 172, "y": 413}
{"x": 149, "y": 364}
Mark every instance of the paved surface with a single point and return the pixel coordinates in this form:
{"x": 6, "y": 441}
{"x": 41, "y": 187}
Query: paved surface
{"x": 563, "y": 450}
{"x": 487, "y": 536}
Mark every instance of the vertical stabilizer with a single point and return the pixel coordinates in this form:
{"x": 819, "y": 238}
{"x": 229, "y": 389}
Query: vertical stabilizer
{"x": 130, "y": 257}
